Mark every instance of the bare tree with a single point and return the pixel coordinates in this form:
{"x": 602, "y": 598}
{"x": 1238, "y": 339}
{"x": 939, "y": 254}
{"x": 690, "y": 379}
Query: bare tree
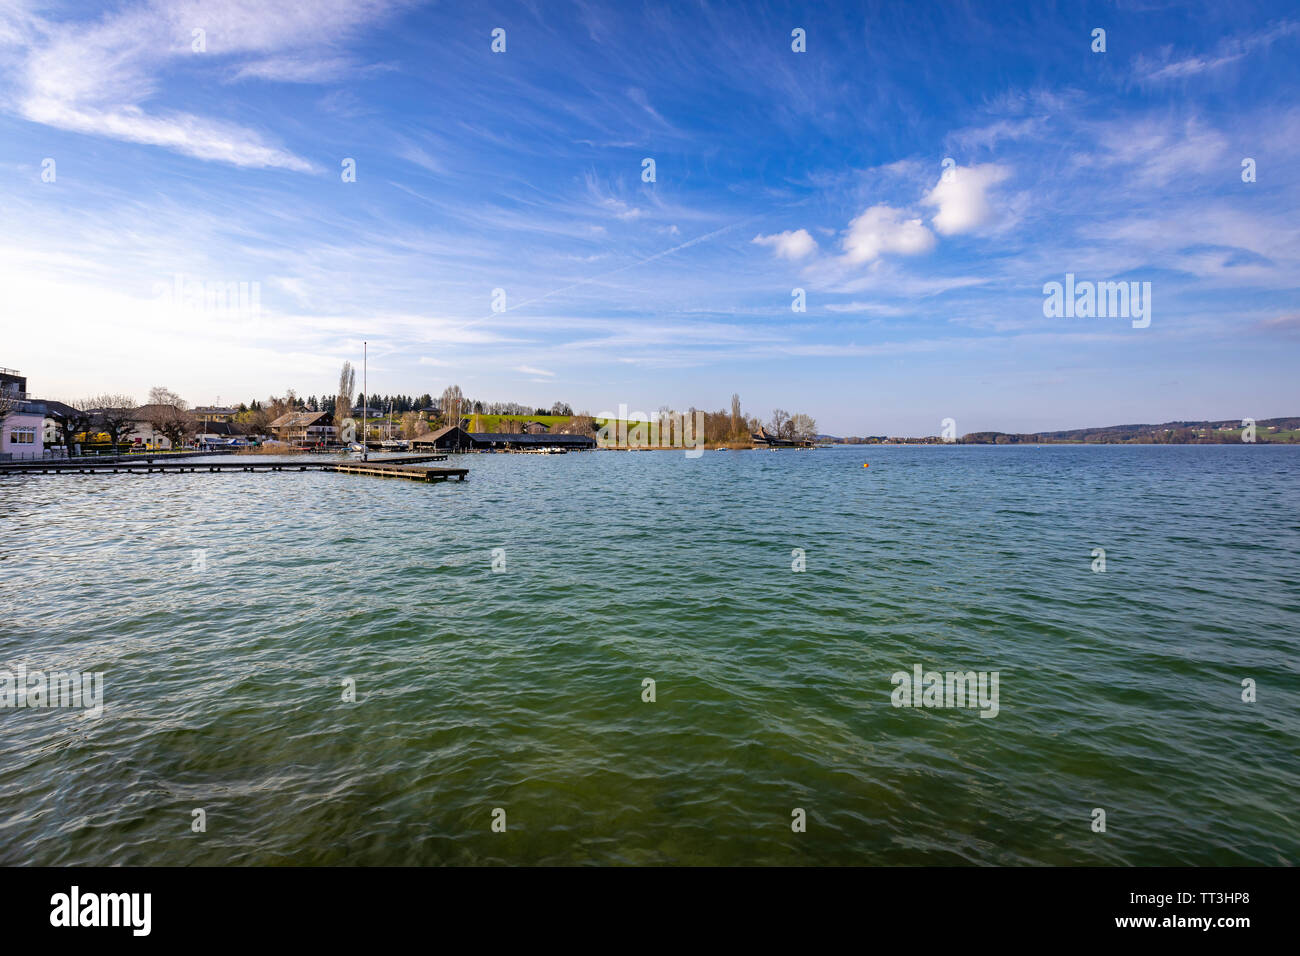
{"x": 277, "y": 406}
{"x": 780, "y": 422}
{"x": 453, "y": 401}
{"x": 72, "y": 418}
{"x": 343, "y": 400}
{"x": 168, "y": 414}
{"x": 718, "y": 427}
{"x": 255, "y": 420}
{"x": 7, "y": 405}
{"x": 114, "y": 415}
{"x": 580, "y": 424}
{"x": 803, "y": 427}
{"x": 413, "y": 425}
{"x": 737, "y": 420}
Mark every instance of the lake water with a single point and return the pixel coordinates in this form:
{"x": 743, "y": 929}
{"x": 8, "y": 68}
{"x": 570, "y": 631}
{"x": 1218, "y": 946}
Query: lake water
{"x": 226, "y": 613}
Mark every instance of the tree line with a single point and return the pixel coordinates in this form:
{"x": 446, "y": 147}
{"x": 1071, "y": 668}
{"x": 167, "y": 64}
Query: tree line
{"x": 169, "y": 415}
{"x": 724, "y": 426}
{"x": 116, "y": 415}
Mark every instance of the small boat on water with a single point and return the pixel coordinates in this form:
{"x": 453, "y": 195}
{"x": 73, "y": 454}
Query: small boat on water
{"x": 356, "y": 446}
{"x": 394, "y": 444}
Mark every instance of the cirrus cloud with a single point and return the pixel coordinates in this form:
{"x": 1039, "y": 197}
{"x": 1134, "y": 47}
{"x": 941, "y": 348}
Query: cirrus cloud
{"x": 101, "y": 76}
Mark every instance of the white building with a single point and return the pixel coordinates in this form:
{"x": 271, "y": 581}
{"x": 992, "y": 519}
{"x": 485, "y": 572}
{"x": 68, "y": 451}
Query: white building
{"x": 143, "y": 434}
{"x": 22, "y": 432}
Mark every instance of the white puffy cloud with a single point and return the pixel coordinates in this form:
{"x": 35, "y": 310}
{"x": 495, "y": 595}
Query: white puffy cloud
{"x": 791, "y": 244}
{"x": 961, "y": 196}
{"x": 883, "y": 229}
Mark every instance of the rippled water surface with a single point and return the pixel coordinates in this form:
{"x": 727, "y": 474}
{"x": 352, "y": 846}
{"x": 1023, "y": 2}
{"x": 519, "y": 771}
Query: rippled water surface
{"x": 522, "y": 689}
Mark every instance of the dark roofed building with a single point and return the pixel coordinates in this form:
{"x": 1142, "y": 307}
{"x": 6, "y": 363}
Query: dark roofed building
{"x": 304, "y": 428}
{"x": 516, "y": 440}
{"x": 62, "y": 409}
{"x": 447, "y": 438}
{"x": 766, "y": 438}
{"x": 13, "y": 383}
{"x": 222, "y": 433}
{"x": 452, "y": 438}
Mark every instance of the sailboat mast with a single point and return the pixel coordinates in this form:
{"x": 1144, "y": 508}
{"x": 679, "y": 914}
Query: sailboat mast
{"x": 365, "y": 387}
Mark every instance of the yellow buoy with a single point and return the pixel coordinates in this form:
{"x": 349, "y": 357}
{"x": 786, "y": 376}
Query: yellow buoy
{"x": 865, "y": 465}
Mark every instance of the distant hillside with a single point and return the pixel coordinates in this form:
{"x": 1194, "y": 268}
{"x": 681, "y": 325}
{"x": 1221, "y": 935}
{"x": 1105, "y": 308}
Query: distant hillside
{"x": 1275, "y": 430}
{"x": 1285, "y": 431}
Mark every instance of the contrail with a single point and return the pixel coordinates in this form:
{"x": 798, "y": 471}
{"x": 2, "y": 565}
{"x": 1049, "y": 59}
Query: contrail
{"x": 604, "y": 275}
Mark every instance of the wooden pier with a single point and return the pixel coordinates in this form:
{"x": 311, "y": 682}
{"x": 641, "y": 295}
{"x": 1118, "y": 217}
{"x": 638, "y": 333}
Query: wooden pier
{"x": 38, "y": 464}
{"x": 409, "y": 467}
{"x": 413, "y": 472}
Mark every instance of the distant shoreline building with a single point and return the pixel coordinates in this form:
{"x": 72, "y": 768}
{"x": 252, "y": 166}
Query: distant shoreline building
{"x": 22, "y": 433}
{"x": 214, "y": 413}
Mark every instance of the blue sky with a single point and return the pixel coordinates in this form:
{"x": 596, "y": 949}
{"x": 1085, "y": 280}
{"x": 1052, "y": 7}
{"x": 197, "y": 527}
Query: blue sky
{"x": 774, "y": 170}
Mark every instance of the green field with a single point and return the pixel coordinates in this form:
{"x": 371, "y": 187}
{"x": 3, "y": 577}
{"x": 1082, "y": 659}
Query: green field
{"x": 491, "y": 423}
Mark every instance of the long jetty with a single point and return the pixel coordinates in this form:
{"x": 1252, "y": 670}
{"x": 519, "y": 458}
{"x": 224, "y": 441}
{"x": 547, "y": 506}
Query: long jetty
{"x": 410, "y": 467}
{"x": 18, "y": 464}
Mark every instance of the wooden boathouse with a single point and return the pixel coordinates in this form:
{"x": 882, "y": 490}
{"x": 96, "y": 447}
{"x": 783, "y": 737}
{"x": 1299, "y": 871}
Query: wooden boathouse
{"x": 454, "y": 438}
